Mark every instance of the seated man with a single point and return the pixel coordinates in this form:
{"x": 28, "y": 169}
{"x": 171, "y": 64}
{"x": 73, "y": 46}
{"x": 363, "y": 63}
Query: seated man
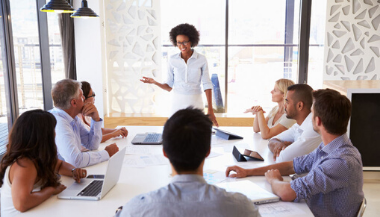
{"x": 186, "y": 142}
{"x": 71, "y": 134}
{"x": 300, "y": 139}
{"x": 334, "y": 183}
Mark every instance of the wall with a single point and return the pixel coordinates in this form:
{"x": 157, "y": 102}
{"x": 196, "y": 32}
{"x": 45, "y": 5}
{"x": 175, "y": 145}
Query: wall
{"x": 133, "y": 50}
{"x": 352, "y": 48}
{"x": 89, "y": 57}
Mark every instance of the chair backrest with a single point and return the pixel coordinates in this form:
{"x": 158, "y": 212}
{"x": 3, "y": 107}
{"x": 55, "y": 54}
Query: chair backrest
{"x": 362, "y": 208}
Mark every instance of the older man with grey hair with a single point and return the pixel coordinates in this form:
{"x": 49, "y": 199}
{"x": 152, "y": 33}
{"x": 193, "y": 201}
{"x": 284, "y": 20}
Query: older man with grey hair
{"x": 71, "y": 133}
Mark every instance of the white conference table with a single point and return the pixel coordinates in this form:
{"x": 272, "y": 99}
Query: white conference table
{"x": 134, "y": 181}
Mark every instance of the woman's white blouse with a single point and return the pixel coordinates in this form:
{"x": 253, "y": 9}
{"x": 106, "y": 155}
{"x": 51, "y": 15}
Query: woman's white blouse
{"x": 187, "y": 78}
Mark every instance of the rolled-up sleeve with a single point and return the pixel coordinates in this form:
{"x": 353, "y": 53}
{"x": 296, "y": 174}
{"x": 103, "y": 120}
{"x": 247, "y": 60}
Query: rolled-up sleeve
{"x": 287, "y": 135}
{"x": 206, "y": 81}
{"x": 326, "y": 177}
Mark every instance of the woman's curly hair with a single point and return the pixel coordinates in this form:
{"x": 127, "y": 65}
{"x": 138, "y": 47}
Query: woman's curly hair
{"x": 185, "y": 29}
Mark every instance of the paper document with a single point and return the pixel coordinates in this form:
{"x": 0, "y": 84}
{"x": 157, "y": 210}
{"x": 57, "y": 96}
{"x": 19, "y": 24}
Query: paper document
{"x": 280, "y": 209}
{"x": 145, "y": 161}
{"x": 212, "y": 176}
{"x": 138, "y": 150}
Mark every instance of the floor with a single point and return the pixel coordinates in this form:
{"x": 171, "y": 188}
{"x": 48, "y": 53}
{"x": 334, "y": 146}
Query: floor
{"x": 372, "y": 193}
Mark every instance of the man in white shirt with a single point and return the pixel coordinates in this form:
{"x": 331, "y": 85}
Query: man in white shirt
{"x": 71, "y": 133}
{"x": 300, "y": 139}
{"x": 187, "y": 143}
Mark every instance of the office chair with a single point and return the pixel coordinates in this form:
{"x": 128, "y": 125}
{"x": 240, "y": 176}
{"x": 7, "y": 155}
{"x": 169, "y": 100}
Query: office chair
{"x": 362, "y": 208}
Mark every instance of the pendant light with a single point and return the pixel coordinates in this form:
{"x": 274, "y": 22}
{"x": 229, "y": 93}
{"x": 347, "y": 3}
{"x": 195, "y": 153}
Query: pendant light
{"x": 84, "y": 11}
{"x": 58, "y": 6}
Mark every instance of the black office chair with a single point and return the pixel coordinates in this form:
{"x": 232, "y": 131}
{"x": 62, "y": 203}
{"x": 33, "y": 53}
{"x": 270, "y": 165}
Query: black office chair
{"x": 362, "y": 208}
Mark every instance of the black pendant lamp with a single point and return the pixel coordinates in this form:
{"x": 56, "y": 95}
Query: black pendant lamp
{"x": 58, "y": 6}
{"x": 84, "y": 11}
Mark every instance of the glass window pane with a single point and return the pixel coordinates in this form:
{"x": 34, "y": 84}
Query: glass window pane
{"x": 27, "y": 54}
{"x": 211, "y": 26}
{"x": 316, "y": 47}
{"x": 55, "y": 45}
{"x": 258, "y": 54}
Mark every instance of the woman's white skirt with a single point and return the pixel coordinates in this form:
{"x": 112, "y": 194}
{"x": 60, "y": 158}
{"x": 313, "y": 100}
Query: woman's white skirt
{"x": 182, "y": 101}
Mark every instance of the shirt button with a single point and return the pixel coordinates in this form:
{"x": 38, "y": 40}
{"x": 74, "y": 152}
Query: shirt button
{"x": 322, "y": 157}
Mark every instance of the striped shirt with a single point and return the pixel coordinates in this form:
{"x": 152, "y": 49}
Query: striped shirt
{"x": 334, "y": 183}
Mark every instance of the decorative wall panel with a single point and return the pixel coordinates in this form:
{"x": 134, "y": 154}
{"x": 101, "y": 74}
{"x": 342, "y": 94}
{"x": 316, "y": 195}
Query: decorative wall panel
{"x": 353, "y": 40}
{"x": 133, "y": 48}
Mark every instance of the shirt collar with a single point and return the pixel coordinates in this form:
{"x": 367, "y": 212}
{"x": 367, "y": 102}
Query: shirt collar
{"x": 188, "y": 178}
{"x": 336, "y": 143}
{"x": 65, "y": 116}
{"x": 194, "y": 55}
{"x": 306, "y": 123}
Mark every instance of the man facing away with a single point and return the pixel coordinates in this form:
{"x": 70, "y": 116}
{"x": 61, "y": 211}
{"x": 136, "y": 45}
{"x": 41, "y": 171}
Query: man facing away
{"x": 334, "y": 183}
{"x": 186, "y": 142}
{"x": 71, "y": 133}
{"x": 300, "y": 139}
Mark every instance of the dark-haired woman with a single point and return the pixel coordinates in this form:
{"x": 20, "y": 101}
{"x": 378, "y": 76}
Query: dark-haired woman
{"x": 89, "y": 97}
{"x": 29, "y": 168}
{"x": 187, "y": 71}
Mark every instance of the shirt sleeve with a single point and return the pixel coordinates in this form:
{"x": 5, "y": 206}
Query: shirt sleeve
{"x": 287, "y": 135}
{"x": 303, "y": 164}
{"x": 307, "y": 142}
{"x": 69, "y": 147}
{"x": 170, "y": 75}
{"x": 326, "y": 177}
{"x": 286, "y": 122}
{"x": 206, "y": 81}
{"x": 91, "y": 139}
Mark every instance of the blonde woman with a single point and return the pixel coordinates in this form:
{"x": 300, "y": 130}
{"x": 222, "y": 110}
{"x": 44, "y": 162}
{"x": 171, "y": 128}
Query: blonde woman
{"x": 276, "y": 122}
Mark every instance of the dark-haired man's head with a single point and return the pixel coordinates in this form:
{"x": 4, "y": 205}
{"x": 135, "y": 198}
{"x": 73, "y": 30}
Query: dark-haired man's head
{"x": 332, "y": 109}
{"x": 187, "y": 139}
{"x": 298, "y": 101}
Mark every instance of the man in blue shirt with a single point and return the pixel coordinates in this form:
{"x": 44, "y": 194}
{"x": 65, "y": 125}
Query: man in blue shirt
{"x": 72, "y": 136}
{"x": 334, "y": 183}
{"x": 186, "y": 142}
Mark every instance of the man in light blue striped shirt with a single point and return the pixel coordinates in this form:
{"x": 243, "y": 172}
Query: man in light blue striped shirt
{"x": 186, "y": 141}
{"x": 71, "y": 133}
{"x": 334, "y": 183}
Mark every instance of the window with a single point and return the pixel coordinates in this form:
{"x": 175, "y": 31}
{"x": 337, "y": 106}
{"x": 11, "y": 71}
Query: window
{"x": 262, "y": 44}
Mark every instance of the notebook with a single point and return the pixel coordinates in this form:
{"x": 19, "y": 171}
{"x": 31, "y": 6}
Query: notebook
{"x": 254, "y": 192}
{"x": 147, "y": 139}
{"x": 96, "y": 189}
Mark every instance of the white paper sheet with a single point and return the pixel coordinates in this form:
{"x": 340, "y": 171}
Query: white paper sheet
{"x": 280, "y": 209}
{"x": 138, "y": 150}
{"x": 145, "y": 161}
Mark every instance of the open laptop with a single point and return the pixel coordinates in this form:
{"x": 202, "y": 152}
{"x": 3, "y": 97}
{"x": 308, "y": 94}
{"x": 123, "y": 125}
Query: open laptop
{"x": 96, "y": 189}
{"x": 254, "y": 192}
{"x": 147, "y": 139}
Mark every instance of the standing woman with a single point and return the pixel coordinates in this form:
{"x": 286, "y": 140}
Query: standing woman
{"x": 187, "y": 70}
{"x": 29, "y": 168}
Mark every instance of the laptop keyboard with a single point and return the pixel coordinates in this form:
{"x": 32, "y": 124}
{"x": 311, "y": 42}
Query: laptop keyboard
{"x": 93, "y": 189}
{"x": 152, "y": 137}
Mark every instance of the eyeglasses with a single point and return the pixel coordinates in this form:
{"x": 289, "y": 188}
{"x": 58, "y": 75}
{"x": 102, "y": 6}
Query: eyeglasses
{"x": 183, "y": 43}
{"x": 93, "y": 95}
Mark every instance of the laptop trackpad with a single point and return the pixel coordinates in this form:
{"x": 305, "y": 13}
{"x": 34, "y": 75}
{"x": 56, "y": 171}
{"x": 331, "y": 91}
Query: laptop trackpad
{"x": 79, "y": 186}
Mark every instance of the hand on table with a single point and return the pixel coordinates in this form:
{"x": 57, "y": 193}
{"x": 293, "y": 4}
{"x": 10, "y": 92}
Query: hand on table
{"x": 272, "y": 175}
{"x": 279, "y": 148}
{"x": 240, "y": 172}
{"x": 112, "y": 149}
{"x": 79, "y": 173}
{"x": 120, "y": 132}
{"x": 58, "y": 189}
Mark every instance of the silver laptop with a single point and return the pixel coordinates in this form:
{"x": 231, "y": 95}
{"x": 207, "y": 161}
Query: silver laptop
{"x": 147, "y": 139}
{"x": 254, "y": 192}
{"x": 96, "y": 189}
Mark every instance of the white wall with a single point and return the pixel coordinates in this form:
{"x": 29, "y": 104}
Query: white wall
{"x": 89, "y": 56}
{"x": 352, "y": 48}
